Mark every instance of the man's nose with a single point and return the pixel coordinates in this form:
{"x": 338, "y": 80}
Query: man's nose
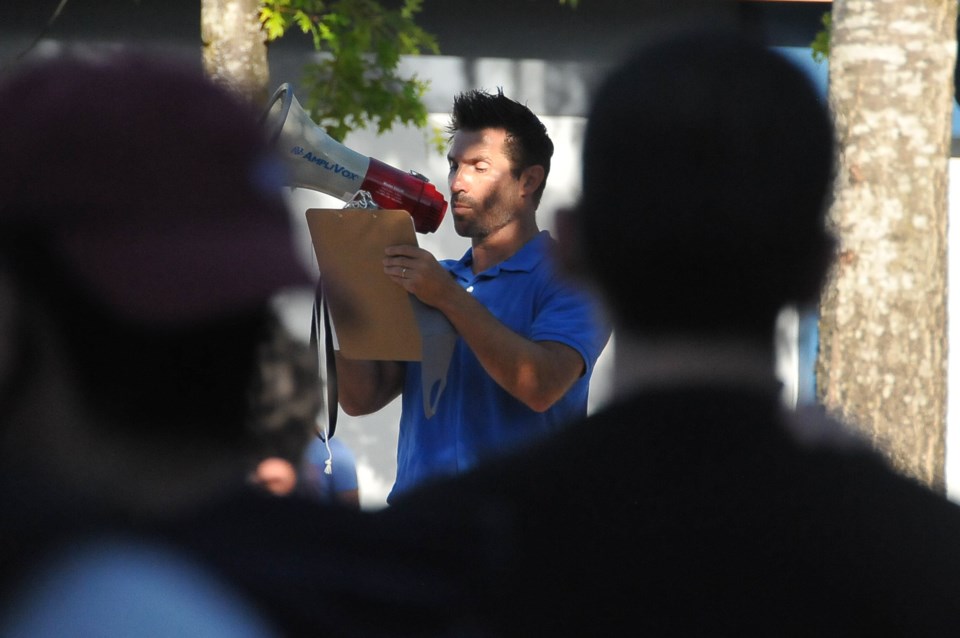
{"x": 457, "y": 182}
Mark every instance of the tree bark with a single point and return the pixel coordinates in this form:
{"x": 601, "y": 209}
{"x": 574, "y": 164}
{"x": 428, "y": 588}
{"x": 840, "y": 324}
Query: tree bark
{"x": 234, "y": 47}
{"x": 883, "y": 341}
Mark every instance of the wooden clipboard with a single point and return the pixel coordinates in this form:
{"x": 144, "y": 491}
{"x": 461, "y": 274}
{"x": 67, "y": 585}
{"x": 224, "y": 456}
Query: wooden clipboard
{"x": 372, "y": 317}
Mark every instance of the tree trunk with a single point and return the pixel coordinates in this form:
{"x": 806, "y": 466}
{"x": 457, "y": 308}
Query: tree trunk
{"x": 883, "y": 343}
{"x": 234, "y": 47}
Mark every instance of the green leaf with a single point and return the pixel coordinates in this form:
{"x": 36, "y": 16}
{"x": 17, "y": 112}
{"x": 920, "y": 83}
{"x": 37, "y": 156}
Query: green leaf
{"x": 355, "y": 82}
{"x": 820, "y": 47}
{"x": 273, "y": 23}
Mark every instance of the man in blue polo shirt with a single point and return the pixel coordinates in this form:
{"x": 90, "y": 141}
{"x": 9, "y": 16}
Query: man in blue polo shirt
{"x": 528, "y": 340}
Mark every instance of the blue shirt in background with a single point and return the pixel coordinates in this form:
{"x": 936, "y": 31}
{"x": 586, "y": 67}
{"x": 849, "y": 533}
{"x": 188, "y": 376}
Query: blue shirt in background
{"x": 343, "y": 466}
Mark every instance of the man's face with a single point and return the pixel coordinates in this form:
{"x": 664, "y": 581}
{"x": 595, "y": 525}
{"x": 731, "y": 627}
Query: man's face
{"x": 485, "y": 196}
{"x": 276, "y": 475}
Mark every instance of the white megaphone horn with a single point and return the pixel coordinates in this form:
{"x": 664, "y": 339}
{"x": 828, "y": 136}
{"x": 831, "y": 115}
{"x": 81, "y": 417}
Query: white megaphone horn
{"x": 318, "y": 162}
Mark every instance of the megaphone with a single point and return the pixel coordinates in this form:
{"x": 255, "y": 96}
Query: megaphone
{"x": 318, "y": 162}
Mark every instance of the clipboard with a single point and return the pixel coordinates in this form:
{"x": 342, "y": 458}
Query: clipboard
{"x": 373, "y": 318}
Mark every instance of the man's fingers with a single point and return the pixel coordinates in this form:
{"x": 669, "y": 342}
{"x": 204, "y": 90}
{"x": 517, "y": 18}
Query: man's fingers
{"x": 402, "y": 250}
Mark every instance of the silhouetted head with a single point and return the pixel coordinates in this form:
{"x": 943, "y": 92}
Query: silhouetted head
{"x": 143, "y": 233}
{"x": 707, "y": 166}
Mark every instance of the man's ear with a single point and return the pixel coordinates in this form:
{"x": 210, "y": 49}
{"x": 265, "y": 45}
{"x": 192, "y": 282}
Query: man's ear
{"x": 531, "y": 178}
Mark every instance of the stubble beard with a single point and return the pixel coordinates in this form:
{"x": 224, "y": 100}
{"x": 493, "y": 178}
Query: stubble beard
{"x": 490, "y": 216}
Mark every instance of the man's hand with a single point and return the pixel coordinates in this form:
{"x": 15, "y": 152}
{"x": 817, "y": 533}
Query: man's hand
{"x": 536, "y": 373}
{"x": 367, "y": 386}
{"x": 419, "y": 273}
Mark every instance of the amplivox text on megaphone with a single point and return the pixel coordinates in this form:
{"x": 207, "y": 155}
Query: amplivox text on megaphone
{"x": 318, "y": 162}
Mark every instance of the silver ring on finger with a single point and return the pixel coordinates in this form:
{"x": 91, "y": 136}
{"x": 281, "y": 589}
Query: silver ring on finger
{"x": 403, "y": 273}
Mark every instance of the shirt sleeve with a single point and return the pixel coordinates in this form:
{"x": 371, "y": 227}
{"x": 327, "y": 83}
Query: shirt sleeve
{"x": 572, "y": 316}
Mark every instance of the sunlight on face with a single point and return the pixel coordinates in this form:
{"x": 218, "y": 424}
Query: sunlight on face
{"x": 483, "y": 190}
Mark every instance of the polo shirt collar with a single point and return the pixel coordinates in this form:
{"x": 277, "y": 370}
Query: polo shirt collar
{"x": 524, "y": 260}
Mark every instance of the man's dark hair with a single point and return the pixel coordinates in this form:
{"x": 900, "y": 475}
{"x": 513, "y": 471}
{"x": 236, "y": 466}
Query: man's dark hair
{"x": 707, "y": 166}
{"x": 285, "y": 396}
{"x": 527, "y": 141}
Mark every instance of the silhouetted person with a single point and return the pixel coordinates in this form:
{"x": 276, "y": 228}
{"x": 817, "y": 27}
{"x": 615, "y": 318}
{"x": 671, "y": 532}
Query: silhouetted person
{"x": 289, "y": 455}
{"x": 143, "y": 234}
{"x": 285, "y": 400}
{"x": 695, "y": 504}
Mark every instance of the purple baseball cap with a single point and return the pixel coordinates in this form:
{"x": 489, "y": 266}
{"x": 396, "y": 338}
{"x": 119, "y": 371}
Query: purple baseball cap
{"x": 158, "y": 188}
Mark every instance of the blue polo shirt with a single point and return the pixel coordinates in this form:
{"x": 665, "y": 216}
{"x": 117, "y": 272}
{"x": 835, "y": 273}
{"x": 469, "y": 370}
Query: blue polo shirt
{"x": 475, "y": 417}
